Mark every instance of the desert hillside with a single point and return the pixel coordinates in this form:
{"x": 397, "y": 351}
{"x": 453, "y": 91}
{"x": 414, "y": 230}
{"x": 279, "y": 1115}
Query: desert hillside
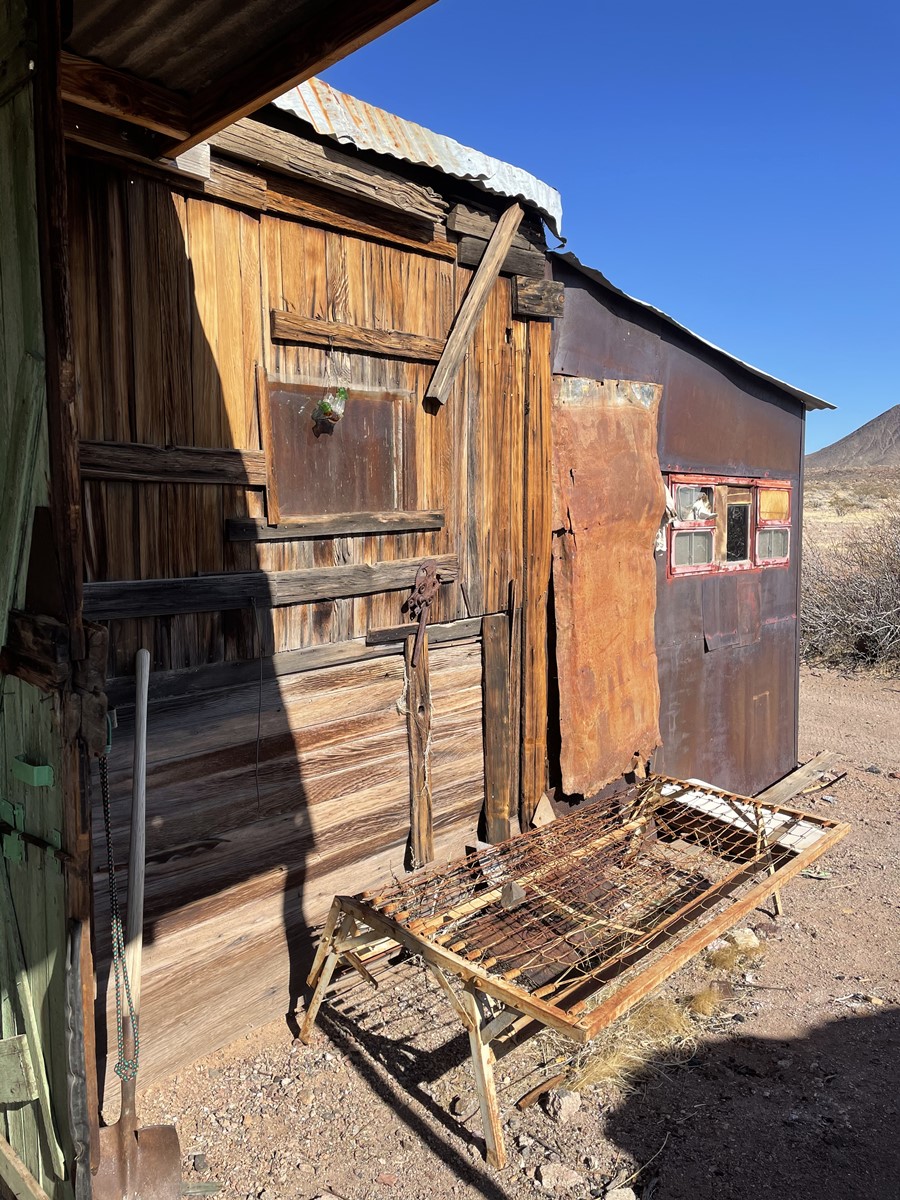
{"x": 875, "y": 444}
{"x": 850, "y": 482}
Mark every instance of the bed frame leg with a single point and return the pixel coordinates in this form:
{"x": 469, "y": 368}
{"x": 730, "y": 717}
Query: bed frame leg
{"x": 331, "y": 961}
{"x": 483, "y": 1064}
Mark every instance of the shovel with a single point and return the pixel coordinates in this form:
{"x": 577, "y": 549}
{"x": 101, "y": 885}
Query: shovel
{"x": 137, "y": 1163}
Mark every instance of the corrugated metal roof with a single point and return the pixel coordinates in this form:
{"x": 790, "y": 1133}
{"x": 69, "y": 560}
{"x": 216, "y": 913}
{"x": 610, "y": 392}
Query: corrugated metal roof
{"x": 595, "y": 276}
{"x": 336, "y": 115}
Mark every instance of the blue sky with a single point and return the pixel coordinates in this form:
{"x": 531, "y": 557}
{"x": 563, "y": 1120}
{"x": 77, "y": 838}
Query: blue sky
{"x": 735, "y": 165}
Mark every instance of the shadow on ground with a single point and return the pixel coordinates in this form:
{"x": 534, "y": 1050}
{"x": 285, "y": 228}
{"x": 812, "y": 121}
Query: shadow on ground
{"x": 814, "y": 1118}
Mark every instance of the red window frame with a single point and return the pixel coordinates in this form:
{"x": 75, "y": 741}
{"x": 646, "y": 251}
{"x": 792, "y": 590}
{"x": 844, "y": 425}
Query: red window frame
{"x": 753, "y": 562}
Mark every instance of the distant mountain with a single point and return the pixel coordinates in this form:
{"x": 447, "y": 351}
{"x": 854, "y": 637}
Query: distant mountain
{"x": 875, "y": 444}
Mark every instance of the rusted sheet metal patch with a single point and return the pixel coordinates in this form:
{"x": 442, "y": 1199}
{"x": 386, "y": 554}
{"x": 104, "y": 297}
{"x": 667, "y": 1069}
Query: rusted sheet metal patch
{"x": 731, "y": 615}
{"x": 608, "y": 501}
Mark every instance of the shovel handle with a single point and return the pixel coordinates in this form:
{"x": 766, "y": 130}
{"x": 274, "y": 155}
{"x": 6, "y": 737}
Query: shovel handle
{"x": 134, "y": 920}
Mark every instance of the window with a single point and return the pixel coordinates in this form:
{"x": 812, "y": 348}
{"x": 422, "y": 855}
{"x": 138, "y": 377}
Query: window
{"x": 728, "y": 524}
{"x": 773, "y": 533}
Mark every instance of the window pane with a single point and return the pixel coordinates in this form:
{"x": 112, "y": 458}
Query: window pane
{"x": 737, "y": 544}
{"x": 772, "y": 543}
{"x": 774, "y": 504}
{"x": 694, "y": 503}
{"x": 693, "y": 548}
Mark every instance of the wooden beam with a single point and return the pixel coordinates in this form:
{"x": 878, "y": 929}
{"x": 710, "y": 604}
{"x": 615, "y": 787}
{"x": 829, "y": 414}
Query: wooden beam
{"x": 250, "y": 529}
{"x": 538, "y": 297}
{"x": 36, "y": 650}
{"x": 91, "y": 85}
{"x": 516, "y": 261}
{"x": 473, "y": 306}
{"x": 310, "y": 331}
{"x": 538, "y": 537}
{"x": 418, "y": 729}
{"x": 254, "y": 142}
{"x": 172, "y": 464}
{"x": 100, "y": 131}
{"x": 463, "y": 219}
{"x": 320, "y": 37}
{"x": 497, "y": 735}
{"x": 802, "y": 777}
{"x": 446, "y": 631}
{"x": 241, "y": 589}
{"x": 20, "y": 1181}
{"x": 267, "y": 192}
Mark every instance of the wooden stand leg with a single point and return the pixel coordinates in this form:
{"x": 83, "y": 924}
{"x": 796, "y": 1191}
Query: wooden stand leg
{"x": 483, "y": 1064}
{"x": 318, "y": 996}
{"x": 325, "y": 942}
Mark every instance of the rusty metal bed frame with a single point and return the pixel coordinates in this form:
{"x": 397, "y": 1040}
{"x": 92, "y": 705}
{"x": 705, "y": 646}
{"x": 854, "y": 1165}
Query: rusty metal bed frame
{"x": 568, "y": 926}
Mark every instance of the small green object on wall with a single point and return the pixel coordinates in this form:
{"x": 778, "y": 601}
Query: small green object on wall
{"x": 33, "y": 774}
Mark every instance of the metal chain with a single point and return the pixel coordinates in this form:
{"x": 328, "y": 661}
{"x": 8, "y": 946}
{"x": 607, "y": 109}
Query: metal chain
{"x": 125, "y": 1068}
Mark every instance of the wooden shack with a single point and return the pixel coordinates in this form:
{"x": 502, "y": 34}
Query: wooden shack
{"x": 293, "y": 750}
{"x": 277, "y": 385}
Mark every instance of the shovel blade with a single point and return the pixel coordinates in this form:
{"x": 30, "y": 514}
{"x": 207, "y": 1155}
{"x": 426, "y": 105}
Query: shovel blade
{"x": 140, "y": 1165}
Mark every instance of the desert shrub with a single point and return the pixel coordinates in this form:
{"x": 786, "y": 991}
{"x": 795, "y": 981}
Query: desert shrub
{"x": 850, "y": 606}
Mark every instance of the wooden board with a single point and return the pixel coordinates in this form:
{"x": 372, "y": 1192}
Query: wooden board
{"x": 418, "y": 729}
{"x": 315, "y": 467}
{"x": 392, "y": 343}
{"x": 151, "y": 597}
{"x": 604, "y": 576}
{"x": 498, "y": 744}
{"x": 172, "y": 464}
{"x": 516, "y": 261}
{"x": 249, "y": 141}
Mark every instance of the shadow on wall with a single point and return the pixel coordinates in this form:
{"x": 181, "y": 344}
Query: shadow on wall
{"x": 229, "y": 832}
{"x": 812, "y": 1118}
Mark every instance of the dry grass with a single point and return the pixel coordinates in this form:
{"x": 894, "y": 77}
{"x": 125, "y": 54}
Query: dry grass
{"x": 732, "y": 959}
{"x": 656, "y": 1034}
{"x": 709, "y": 1000}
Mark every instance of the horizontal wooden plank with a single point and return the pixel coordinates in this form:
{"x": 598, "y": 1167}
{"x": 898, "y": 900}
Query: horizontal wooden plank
{"x": 172, "y": 464}
{"x": 463, "y": 219}
{"x": 251, "y": 141}
{"x": 793, "y": 784}
{"x": 250, "y": 529}
{"x": 197, "y": 681}
{"x": 94, "y": 86}
{"x": 309, "y": 331}
{"x": 265, "y": 192}
{"x": 242, "y": 589}
{"x": 538, "y": 297}
{"x": 470, "y": 251}
{"x": 445, "y": 631}
{"x": 102, "y": 131}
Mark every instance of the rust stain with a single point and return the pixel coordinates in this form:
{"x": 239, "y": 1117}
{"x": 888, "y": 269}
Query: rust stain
{"x": 608, "y": 500}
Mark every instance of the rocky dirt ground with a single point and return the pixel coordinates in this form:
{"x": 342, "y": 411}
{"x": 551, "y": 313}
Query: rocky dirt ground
{"x": 790, "y": 1089}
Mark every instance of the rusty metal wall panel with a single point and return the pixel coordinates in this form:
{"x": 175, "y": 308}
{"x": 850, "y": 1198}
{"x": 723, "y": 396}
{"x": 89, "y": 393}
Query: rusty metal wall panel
{"x": 730, "y": 715}
{"x": 608, "y": 501}
{"x": 713, "y": 415}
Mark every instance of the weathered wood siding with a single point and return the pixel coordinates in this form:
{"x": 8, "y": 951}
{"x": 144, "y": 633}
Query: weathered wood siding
{"x": 172, "y": 299}
{"x": 33, "y": 934}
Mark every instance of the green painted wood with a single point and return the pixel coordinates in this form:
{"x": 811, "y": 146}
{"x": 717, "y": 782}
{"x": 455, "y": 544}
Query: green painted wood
{"x": 33, "y": 1035}
{"x": 24, "y": 412}
{"x": 17, "y": 1082}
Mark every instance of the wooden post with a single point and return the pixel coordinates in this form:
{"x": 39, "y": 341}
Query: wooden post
{"x": 538, "y": 534}
{"x": 497, "y": 741}
{"x": 483, "y": 1066}
{"x": 418, "y": 727}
